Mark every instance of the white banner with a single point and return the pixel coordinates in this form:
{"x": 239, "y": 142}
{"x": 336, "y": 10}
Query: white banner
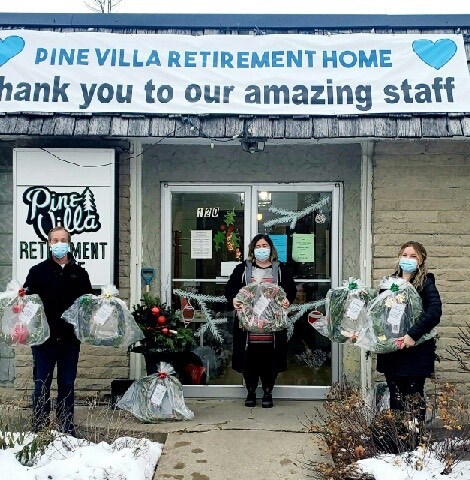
{"x": 232, "y": 74}
{"x": 69, "y": 187}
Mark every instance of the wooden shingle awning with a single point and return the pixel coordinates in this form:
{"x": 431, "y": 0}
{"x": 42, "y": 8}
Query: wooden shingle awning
{"x": 228, "y": 127}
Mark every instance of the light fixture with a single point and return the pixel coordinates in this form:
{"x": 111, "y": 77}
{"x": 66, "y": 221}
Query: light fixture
{"x": 253, "y": 144}
{"x": 264, "y": 199}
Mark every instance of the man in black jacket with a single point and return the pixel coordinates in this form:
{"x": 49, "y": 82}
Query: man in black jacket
{"x": 59, "y": 281}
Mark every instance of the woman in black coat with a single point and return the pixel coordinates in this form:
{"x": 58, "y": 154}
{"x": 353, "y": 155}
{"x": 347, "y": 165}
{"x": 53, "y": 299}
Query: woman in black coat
{"x": 259, "y": 356}
{"x": 406, "y": 369}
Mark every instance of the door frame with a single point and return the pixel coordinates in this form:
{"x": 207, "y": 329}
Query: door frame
{"x": 298, "y": 392}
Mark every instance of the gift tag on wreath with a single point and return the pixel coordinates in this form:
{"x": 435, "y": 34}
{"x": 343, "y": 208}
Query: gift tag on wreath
{"x": 28, "y": 312}
{"x": 158, "y": 394}
{"x": 260, "y": 305}
{"x": 102, "y": 314}
{"x": 354, "y": 308}
{"x": 395, "y": 315}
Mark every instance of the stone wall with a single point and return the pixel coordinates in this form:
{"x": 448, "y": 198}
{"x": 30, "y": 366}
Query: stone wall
{"x": 421, "y": 191}
{"x": 97, "y": 366}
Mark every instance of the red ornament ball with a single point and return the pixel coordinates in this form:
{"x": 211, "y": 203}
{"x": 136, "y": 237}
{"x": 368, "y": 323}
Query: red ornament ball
{"x": 155, "y": 310}
{"x": 161, "y": 320}
{"x": 165, "y": 331}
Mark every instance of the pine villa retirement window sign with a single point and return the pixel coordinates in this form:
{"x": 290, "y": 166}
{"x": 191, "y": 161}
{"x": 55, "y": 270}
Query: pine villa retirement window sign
{"x": 290, "y": 74}
{"x": 69, "y": 187}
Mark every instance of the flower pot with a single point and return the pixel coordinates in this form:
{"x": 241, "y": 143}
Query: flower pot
{"x": 188, "y": 366}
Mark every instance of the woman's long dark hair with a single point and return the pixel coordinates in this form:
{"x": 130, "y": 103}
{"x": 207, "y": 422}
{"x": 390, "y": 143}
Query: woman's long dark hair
{"x": 256, "y": 239}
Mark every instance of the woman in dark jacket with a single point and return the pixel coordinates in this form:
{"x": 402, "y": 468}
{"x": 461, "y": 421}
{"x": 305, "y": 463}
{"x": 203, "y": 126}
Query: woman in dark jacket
{"x": 406, "y": 369}
{"x": 259, "y": 356}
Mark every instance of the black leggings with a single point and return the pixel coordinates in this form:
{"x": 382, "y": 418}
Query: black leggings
{"x": 402, "y": 387}
{"x": 259, "y": 364}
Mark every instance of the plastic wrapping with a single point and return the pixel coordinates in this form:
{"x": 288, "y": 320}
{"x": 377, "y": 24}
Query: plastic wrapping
{"x": 390, "y": 316}
{"x": 156, "y": 397}
{"x": 346, "y": 311}
{"x": 262, "y": 309}
{"x": 23, "y": 321}
{"x": 103, "y": 320}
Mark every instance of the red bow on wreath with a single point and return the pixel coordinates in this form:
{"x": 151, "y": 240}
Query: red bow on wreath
{"x": 162, "y": 375}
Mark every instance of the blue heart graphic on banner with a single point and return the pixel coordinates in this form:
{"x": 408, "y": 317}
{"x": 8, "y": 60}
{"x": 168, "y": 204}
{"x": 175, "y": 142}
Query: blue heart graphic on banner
{"x": 10, "y": 47}
{"x": 435, "y": 54}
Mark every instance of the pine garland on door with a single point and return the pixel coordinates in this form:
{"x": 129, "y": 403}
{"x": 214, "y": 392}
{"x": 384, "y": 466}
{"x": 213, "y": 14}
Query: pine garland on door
{"x": 211, "y": 324}
{"x": 293, "y": 216}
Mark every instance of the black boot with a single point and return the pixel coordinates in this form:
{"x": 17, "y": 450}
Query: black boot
{"x": 251, "y": 398}
{"x": 267, "y": 401}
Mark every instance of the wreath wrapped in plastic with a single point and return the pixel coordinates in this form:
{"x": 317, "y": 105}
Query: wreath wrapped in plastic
{"x": 391, "y": 315}
{"x": 22, "y": 317}
{"x": 346, "y": 311}
{"x": 261, "y": 308}
{"x": 156, "y": 397}
{"x": 103, "y": 320}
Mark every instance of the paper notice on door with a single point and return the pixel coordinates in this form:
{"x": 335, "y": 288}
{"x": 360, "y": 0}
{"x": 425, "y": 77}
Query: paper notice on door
{"x": 201, "y": 244}
{"x": 303, "y": 245}
{"x": 226, "y": 268}
{"x": 280, "y": 244}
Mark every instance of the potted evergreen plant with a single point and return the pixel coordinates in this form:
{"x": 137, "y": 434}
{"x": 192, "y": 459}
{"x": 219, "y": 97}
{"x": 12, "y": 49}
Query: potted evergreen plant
{"x": 167, "y": 339}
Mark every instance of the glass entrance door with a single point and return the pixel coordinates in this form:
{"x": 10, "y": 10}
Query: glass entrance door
{"x": 206, "y": 232}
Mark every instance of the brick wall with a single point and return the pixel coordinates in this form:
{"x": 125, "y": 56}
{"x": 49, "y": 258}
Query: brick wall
{"x": 421, "y": 191}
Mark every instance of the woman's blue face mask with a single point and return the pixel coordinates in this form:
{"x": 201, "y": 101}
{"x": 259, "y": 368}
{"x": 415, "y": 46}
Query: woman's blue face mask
{"x": 262, "y": 253}
{"x": 408, "y": 265}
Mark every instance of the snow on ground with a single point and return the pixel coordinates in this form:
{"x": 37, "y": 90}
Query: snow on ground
{"x": 412, "y": 466}
{"x": 67, "y": 458}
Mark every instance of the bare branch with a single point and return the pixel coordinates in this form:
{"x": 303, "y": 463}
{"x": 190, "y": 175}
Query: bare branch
{"x": 102, "y": 6}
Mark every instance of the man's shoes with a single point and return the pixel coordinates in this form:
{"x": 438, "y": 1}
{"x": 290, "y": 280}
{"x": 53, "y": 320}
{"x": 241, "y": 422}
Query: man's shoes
{"x": 267, "y": 401}
{"x": 251, "y": 399}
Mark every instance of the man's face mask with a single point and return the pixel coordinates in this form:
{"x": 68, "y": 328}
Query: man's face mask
{"x": 59, "y": 249}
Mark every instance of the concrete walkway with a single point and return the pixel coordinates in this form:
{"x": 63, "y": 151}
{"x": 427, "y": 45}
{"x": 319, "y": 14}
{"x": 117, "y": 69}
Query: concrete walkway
{"x": 224, "y": 441}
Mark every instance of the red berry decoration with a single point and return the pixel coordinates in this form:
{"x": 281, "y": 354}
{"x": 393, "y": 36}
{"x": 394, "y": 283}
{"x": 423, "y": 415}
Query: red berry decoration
{"x": 21, "y": 292}
{"x": 155, "y": 310}
{"x": 161, "y": 320}
{"x": 165, "y": 331}
{"x": 17, "y": 308}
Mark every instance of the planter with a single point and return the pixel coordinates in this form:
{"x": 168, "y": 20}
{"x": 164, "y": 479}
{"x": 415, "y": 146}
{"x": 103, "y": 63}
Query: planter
{"x": 188, "y": 366}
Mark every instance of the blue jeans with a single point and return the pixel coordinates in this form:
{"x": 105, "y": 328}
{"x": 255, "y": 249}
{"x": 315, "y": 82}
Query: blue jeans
{"x": 45, "y": 357}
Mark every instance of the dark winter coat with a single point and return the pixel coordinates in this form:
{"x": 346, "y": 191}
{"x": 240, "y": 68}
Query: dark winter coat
{"x": 237, "y": 281}
{"x": 58, "y": 287}
{"x": 419, "y": 359}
